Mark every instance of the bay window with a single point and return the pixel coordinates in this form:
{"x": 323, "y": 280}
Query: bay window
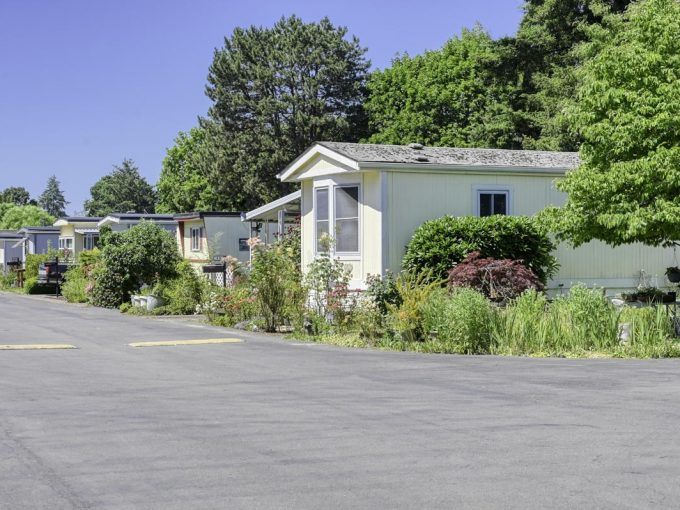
{"x": 337, "y": 206}
{"x": 347, "y": 219}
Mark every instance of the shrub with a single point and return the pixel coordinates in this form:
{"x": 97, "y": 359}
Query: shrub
{"x": 7, "y": 280}
{"x": 382, "y": 291}
{"x": 110, "y": 288}
{"x": 439, "y": 244}
{"x": 144, "y": 254}
{"x": 32, "y": 264}
{"x": 275, "y": 280}
{"x": 74, "y": 288}
{"x": 496, "y": 279}
{"x": 406, "y": 319}
{"x": 327, "y": 282}
{"x": 236, "y": 304}
{"x": 459, "y": 321}
{"x": 183, "y": 292}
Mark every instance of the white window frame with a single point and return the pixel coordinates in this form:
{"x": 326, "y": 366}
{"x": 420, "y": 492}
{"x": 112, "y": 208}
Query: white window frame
{"x": 331, "y": 184}
{"x": 477, "y": 190}
{"x": 315, "y": 207}
{"x": 88, "y": 241}
{"x": 358, "y": 187}
{"x": 63, "y": 243}
{"x": 199, "y": 243}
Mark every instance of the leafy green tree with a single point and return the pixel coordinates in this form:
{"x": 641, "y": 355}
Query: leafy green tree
{"x": 453, "y": 97}
{"x": 16, "y": 195}
{"x": 183, "y": 185}
{"x": 52, "y": 199}
{"x": 545, "y": 55}
{"x": 122, "y": 190}
{"x": 14, "y": 217}
{"x": 275, "y": 91}
{"x": 627, "y": 188}
{"x": 144, "y": 254}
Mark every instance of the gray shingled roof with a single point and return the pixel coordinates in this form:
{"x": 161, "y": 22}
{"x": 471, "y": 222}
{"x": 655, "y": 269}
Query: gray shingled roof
{"x": 373, "y": 153}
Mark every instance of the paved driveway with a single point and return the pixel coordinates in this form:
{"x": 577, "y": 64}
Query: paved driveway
{"x": 273, "y": 424}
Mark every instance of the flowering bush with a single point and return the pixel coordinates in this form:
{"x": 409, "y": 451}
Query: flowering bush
{"x": 497, "y": 279}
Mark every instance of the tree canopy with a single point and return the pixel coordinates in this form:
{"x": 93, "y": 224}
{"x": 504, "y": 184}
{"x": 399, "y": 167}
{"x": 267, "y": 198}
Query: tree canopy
{"x": 52, "y": 199}
{"x": 123, "y": 190}
{"x": 16, "y": 195}
{"x": 14, "y": 217}
{"x": 627, "y": 188}
{"x": 183, "y": 185}
{"x": 454, "y": 96}
{"x": 274, "y": 92}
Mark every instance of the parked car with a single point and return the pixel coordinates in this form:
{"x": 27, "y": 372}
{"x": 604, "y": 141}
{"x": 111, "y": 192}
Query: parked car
{"x": 51, "y": 272}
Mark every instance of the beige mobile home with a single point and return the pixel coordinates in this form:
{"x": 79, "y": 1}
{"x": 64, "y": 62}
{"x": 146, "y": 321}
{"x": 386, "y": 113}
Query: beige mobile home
{"x": 204, "y": 237}
{"x": 77, "y": 233}
{"x": 371, "y": 198}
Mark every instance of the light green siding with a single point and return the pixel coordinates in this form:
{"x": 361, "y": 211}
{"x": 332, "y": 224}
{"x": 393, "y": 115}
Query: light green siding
{"x": 415, "y": 197}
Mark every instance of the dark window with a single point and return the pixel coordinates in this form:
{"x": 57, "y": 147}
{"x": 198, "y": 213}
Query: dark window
{"x": 493, "y": 202}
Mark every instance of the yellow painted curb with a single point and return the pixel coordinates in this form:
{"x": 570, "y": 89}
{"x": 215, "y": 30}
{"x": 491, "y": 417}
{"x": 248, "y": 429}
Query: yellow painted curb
{"x": 172, "y": 343}
{"x": 27, "y": 347}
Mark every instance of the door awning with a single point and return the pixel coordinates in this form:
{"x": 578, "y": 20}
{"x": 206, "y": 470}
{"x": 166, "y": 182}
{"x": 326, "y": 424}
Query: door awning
{"x": 87, "y": 231}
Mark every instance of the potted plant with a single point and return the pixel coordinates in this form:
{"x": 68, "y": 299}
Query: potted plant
{"x": 673, "y": 274}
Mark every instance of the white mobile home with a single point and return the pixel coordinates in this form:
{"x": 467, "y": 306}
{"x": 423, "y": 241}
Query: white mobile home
{"x": 371, "y": 198}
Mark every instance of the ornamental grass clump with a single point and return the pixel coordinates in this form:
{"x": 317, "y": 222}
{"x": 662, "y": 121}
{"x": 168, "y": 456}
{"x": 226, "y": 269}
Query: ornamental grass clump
{"x": 580, "y": 324}
{"x": 459, "y": 321}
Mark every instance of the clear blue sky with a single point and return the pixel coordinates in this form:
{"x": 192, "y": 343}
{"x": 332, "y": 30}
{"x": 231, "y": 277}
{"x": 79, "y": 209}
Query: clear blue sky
{"x": 86, "y": 83}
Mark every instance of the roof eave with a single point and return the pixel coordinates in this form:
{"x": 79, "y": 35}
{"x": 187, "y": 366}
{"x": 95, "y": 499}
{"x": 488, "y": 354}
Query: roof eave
{"x": 381, "y": 165}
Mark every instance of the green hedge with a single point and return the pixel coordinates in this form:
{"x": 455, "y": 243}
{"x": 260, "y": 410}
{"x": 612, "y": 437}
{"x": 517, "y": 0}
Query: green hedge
{"x": 437, "y": 245}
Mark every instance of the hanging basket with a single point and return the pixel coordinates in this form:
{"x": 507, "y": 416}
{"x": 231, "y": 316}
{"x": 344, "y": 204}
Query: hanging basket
{"x": 673, "y": 274}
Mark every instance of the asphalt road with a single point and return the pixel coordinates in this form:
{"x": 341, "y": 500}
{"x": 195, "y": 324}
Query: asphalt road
{"x": 273, "y": 424}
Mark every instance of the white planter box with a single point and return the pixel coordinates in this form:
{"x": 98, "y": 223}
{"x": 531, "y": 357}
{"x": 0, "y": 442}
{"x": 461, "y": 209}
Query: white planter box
{"x": 154, "y": 302}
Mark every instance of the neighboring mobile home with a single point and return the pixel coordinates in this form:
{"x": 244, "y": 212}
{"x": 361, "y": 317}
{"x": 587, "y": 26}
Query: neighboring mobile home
{"x": 371, "y": 198}
{"x": 272, "y": 219}
{"x": 77, "y": 233}
{"x": 39, "y": 240}
{"x": 206, "y": 237}
{"x": 11, "y": 251}
{"x": 123, "y": 221}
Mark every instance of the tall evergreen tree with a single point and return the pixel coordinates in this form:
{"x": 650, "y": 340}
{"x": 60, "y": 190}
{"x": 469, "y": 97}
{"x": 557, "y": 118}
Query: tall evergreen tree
{"x": 274, "y": 92}
{"x": 123, "y": 190}
{"x": 52, "y": 199}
